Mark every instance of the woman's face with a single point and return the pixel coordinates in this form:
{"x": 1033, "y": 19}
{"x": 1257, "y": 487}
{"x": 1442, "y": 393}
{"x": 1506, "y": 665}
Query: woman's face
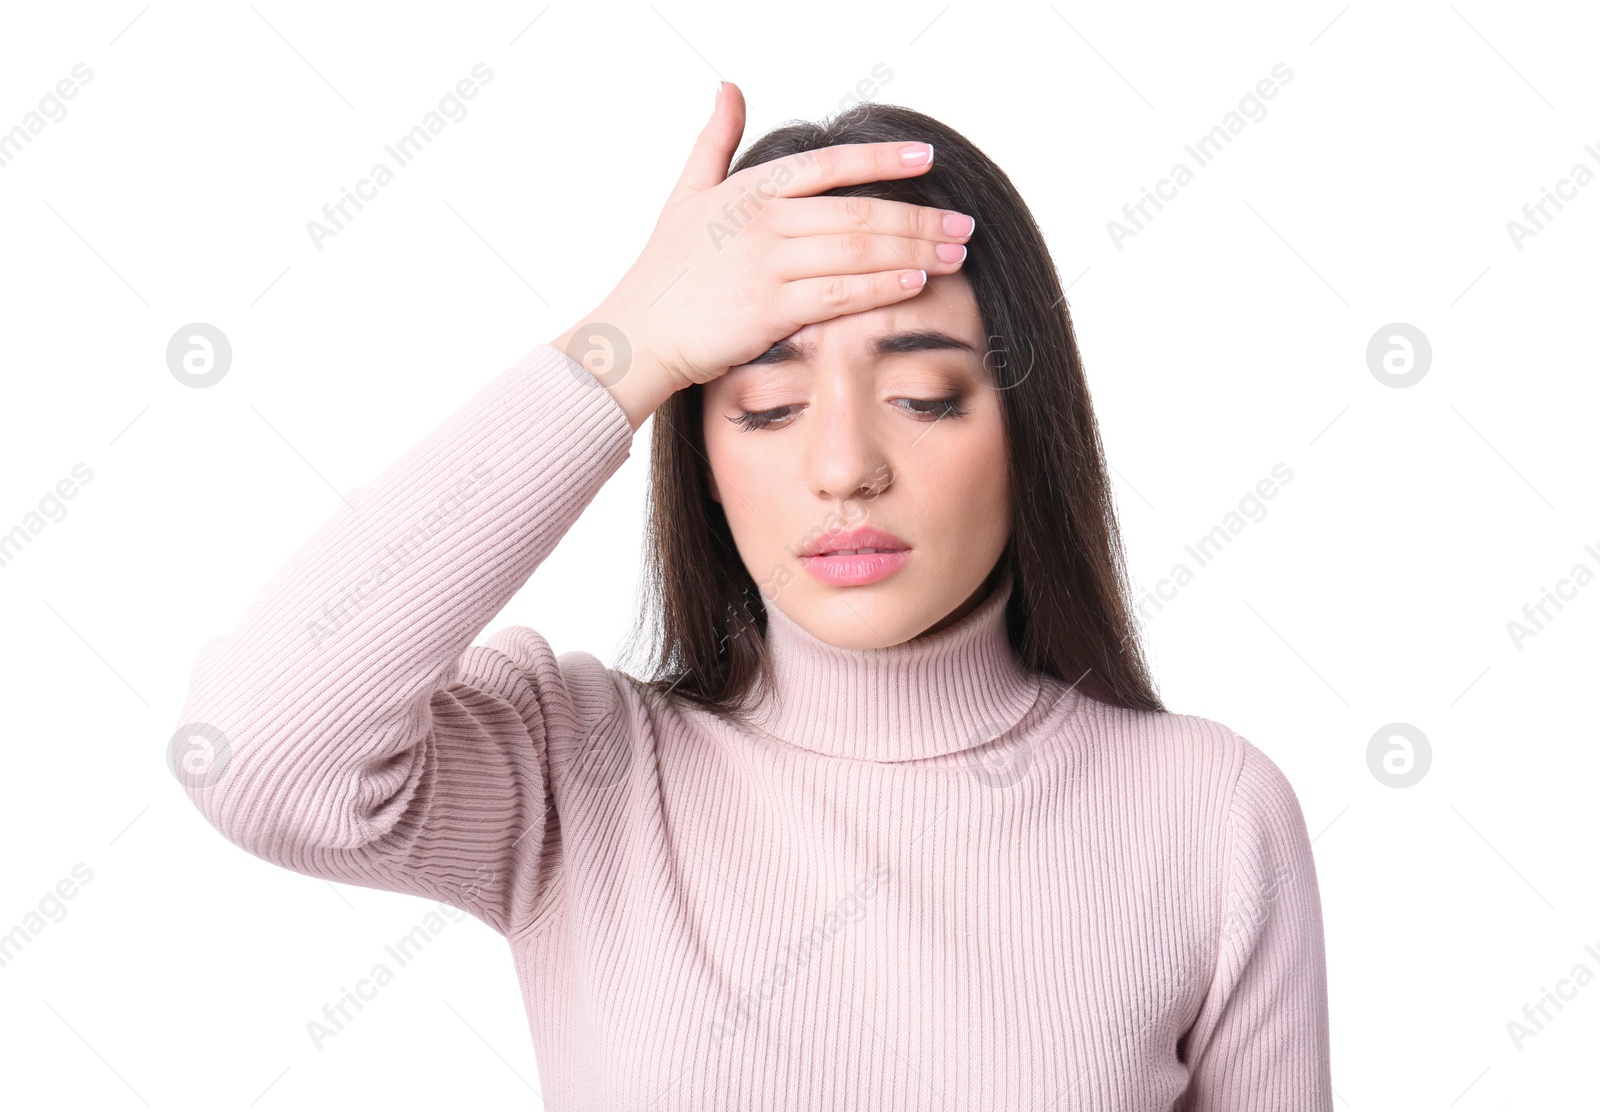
{"x": 852, "y": 433}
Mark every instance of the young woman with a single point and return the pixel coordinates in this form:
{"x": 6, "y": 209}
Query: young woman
{"x": 895, "y": 818}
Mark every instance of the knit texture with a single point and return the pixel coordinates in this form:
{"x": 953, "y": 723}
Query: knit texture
{"x": 928, "y": 879}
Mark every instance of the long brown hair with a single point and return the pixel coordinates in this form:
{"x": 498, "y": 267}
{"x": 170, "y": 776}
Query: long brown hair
{"x": 1068, "y": 614}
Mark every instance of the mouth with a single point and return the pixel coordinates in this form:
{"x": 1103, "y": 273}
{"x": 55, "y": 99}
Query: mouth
{"x": 855, "y": 558}
{"x": 856, "y": 542}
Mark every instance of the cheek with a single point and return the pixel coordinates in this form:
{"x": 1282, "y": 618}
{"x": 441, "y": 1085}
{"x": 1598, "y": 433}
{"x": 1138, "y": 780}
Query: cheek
{"x": 975, "y": 461}
{"x": 723, "y": 458}
{"x": 744, "y": 485}
{"x": 740, "y": 478}
{"x": 967, "y": 480}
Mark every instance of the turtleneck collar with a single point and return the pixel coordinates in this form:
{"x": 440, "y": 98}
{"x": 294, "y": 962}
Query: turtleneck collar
{"x": 935, "y": 694}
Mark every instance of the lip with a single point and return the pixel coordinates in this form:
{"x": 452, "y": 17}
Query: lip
{"x": 855, "y": 571}
{"x": 864, "y": 537}
{"x": 858, "y": 570}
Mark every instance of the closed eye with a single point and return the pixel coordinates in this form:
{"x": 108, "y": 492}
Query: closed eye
{"x": 761, "y": 418}
{"x": 938, "y": 410}
{"x": 942, "y": 407}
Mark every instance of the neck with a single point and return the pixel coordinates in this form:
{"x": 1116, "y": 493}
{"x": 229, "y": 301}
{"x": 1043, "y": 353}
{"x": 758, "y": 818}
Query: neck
{"x": 945, "y": 691}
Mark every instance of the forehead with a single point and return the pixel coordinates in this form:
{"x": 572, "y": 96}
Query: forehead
{"x": 945, "y": 306}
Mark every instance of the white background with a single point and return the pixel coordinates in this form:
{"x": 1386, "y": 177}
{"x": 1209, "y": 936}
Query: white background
{"x": 1227, "y": 336}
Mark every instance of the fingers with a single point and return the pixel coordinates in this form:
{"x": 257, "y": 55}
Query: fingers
{"x": 811, "y": 172}
{"x": 713, "y": 149}
{"x": 810, "y": 216}
{"x": 818, "y": 299}
{"x": 821, "y": 256}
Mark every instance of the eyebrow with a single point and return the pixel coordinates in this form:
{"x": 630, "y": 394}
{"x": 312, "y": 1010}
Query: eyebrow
{"x": 889, "y": 343}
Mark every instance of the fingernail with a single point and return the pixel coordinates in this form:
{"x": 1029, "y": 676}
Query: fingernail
{"x": 717, "y": 102}
{"x": 911, "y": 279}
{"x": 915, "y": 154}
{"x": 959, "y": 224}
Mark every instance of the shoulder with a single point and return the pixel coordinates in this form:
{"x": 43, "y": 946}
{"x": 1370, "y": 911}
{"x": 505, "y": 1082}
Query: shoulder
{"x": 1157, "y": 745}
{"x": 1184, "y": 762}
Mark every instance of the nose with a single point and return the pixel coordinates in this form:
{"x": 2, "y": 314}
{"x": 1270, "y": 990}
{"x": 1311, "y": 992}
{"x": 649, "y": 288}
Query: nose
{"x": 847, "y": 454}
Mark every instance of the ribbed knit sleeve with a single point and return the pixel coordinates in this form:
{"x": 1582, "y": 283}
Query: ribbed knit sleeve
{"x": 1261, "y": 1038}
{"x": 348, "y": 729}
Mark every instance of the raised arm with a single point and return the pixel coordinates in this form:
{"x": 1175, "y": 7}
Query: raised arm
{"x": 349, "y": 730}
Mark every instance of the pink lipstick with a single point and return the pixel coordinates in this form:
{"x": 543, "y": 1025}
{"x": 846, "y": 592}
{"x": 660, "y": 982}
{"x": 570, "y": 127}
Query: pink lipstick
{"x": 856, "y": 557}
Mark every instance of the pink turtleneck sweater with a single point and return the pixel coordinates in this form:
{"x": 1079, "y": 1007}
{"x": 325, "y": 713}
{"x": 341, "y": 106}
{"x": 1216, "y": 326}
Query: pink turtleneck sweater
{"x": 931, "y": 879}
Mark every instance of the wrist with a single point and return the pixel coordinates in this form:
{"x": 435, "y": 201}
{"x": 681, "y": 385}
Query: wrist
{"x": 634, "y": 377}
